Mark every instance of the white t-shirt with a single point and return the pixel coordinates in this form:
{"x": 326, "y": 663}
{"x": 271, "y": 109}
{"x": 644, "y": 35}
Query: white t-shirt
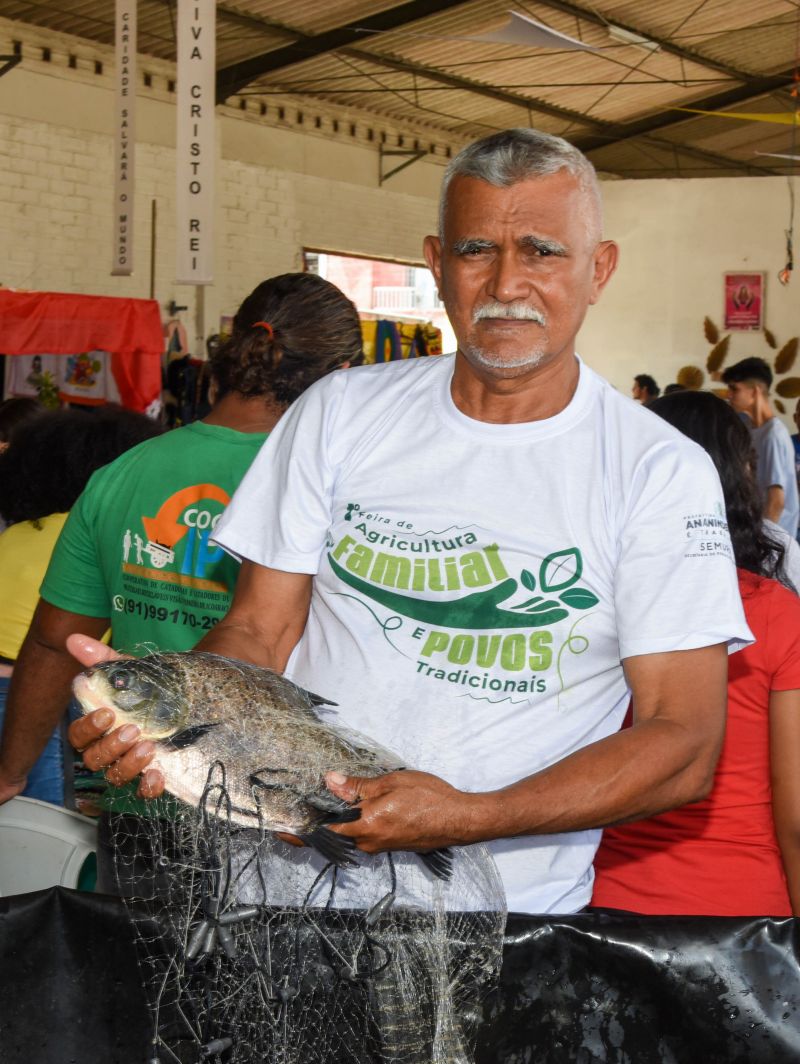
{"x": 477, "y": 585}
{"x": 775, "y": 467}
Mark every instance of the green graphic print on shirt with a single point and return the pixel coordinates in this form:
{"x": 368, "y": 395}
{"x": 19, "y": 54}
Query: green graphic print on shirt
{"x": 137, "y": 546}
{"x": 174, "y": 565}
{"x": 464, "y": 631}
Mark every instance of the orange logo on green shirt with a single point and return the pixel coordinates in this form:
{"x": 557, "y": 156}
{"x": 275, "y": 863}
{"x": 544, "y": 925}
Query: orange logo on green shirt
{"x": 165, "y": 528}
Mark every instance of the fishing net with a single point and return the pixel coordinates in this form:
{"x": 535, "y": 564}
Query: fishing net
{"x": 254, "y": 951}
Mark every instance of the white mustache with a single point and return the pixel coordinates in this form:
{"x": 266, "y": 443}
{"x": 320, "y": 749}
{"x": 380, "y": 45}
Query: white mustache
{"x": 512, "y": 311}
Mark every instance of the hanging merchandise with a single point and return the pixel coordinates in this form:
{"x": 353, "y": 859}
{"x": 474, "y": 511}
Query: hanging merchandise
{"x": 26, "y": 374}
{"x": 368, "y": 331}
{"x": 175, "y": 340}
{"x": 428, "y": 340}
{"x": 387, "y": 341}
{"x": 407, "y": 331}
{"x": 86, "y": 379}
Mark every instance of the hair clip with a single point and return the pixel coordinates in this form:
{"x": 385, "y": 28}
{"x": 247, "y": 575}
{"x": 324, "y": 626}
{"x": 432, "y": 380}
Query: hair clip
{"x": 265, "y": 325}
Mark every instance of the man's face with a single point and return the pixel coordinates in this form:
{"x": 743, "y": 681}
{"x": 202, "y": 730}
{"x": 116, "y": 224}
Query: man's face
{"x": 517, "y": 270}
{"x": 638, "y": 392}
{"x": 742, "y": 396}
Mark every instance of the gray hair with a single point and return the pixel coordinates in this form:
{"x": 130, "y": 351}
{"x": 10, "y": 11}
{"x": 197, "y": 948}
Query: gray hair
{"x": 503, "y": 159}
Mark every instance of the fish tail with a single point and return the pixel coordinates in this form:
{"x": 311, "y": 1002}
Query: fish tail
{"x": 334, "y": 847}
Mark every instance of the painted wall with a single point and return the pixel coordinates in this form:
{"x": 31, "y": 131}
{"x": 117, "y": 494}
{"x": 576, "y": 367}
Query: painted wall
{"x": 677, "y": 238}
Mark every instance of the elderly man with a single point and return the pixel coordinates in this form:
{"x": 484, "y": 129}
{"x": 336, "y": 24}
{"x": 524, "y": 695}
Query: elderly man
{"x": 480, "y": 557}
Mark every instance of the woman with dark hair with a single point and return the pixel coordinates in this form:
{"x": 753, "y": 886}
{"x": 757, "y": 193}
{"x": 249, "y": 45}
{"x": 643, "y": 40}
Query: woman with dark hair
{"x": 42, "y": 472}
{"x": 52, "y": 456}
{"x": 290, "y": 331}
{"x": 14, "y": 412}
{"x": 136, "y": 553}
{"x": 737, "y": 852}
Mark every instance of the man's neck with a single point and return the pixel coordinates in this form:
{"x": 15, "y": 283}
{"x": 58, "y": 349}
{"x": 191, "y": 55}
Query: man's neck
{"x": 534, "y": 396}
{"x": 762, "y": 412}
{"x": 234, "y": 411}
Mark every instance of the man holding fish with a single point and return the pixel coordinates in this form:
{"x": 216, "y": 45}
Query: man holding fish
{"x": 482, "y": 558}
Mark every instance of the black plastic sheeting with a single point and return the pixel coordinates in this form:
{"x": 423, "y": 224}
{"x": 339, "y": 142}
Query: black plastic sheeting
{"x": 574, "y": 990}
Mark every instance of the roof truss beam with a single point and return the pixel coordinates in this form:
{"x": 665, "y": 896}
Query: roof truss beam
{"x": 455, "y": 82}
{"x": 233, "y": 78}
{"x": 666, "y": 120}
{"x": 605, "y": 132}
{"x": 664, "y": 43}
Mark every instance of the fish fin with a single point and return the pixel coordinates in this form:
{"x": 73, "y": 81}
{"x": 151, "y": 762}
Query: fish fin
{"x": 440, "y": 862}
{"x": 256, "y": 780}
{"x": 180, "y": 740}
{"x": 346, "y": 816}
{"x": 333, "y": 846}
{"x": 330, "y": 807}
{"x": 317, "y": 700}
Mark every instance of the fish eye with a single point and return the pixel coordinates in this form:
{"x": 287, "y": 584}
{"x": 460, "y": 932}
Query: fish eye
{"x": 121, "y": 679}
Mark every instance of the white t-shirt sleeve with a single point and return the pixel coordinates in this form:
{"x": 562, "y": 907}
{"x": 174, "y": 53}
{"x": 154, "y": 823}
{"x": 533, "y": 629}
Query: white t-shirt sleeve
{"x": 675, "y": 584}
{"x": 280, "y": 513}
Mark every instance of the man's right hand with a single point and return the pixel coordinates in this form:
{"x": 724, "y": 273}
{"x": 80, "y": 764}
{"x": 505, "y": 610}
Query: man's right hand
{"x": 120, "y": 751}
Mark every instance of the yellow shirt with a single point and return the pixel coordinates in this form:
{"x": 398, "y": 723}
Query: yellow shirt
{"x": 24, "y": 555}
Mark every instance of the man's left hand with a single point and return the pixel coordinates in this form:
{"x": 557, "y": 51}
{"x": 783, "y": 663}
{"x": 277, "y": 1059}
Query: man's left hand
{"x": 10, "y": 788}
{"x": 407, "y": 810}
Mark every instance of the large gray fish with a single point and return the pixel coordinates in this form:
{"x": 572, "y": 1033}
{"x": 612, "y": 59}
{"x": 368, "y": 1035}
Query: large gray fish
{"x": 204, "y": 710}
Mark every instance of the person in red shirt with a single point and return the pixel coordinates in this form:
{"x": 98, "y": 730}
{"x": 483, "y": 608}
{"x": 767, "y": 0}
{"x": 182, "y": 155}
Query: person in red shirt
{"x": 737, "y": 852}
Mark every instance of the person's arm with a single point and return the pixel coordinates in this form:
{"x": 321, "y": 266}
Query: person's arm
{"x": 40, "y": 691}
{"x": 666, "y": 759}
{"x": 784, "y": 756}
{"x": 266, "y": 618}
{"x": 262, "y": 626}
{"x": 775, "y": 500}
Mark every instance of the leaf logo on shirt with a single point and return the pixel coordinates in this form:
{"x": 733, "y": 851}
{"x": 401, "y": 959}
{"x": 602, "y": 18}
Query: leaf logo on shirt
{"x": 492, "y": 608}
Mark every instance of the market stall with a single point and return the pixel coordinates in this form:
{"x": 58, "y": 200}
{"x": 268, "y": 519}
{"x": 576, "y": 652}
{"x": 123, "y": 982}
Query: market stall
{"x": 87, "y": 349}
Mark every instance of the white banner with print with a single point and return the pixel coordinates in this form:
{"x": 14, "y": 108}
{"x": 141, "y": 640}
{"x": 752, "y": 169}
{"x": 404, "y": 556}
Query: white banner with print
{"x": 124, "y": 136}
{"x": 85, "y": 378}
{"x": 195, "y": 141}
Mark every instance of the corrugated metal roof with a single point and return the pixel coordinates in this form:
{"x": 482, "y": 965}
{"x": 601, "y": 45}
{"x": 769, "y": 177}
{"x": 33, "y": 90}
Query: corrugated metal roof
{"x": 416, "y": 66}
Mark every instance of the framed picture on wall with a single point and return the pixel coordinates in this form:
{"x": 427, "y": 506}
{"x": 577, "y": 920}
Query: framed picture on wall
{"x": 744, "y": 300}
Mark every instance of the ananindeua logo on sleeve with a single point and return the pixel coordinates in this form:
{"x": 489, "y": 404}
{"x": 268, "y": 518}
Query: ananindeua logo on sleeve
{"x": 472, "y": 622}
{"x": 707, "y": 535}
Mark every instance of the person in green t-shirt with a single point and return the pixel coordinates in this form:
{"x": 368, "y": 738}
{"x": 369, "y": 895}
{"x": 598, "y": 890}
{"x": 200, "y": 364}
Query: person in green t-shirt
{"x": 134, "y": 554}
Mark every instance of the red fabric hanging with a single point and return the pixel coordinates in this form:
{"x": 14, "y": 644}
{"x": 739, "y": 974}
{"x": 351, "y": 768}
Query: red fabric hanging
{"x": 60, "y": 323}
